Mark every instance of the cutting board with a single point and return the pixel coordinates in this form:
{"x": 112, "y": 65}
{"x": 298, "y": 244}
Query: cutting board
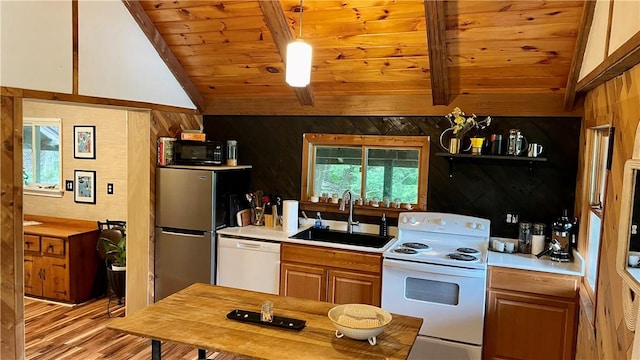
{"x": 243, "y": 217}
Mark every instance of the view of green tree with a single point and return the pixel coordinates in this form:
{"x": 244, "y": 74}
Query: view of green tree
{"x": 382, "y": 169}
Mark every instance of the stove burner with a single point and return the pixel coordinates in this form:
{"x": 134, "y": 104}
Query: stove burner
{"x": 467, "y": 250}
{"x": 402, "y": 250}
{"x": 462, "y": 257}
{"x": 416, "y": 245}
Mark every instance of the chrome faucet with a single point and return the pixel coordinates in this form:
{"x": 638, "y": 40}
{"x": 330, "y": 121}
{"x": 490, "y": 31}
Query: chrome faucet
{"x": 348, "y": 195}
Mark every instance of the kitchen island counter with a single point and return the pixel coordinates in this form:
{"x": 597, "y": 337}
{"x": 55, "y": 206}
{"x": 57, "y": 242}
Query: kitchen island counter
{"x": 197, "y": 316}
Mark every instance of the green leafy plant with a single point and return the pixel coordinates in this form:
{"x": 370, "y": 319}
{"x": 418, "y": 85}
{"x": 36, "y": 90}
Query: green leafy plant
{"x": 116, "y": 252}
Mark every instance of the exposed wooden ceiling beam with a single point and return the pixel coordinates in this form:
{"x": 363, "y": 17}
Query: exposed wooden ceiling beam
{"x": 578, "y": 53}
{"x": 505, "y": 104}
{"x": 623, "y": 59}
{"x": 82, "y": 99}
{"x": 277, "y": 23}
{"x": 154, "y": 36}
{"x": 435, "y": 14}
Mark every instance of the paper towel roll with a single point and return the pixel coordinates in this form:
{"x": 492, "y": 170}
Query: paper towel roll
{"x": 290, "y": 216}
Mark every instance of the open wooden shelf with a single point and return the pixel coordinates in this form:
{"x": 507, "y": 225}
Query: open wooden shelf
{"x": 469, "y": 157}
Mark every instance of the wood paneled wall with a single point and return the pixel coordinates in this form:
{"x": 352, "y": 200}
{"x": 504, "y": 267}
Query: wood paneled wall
{"x": 11, "y": 266}
{"x": 163, "y": 123}
{"x": 483, "y": 188}
{"x": 615, "y": 102}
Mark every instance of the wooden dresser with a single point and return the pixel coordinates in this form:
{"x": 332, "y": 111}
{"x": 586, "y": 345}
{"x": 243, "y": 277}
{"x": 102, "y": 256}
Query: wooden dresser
{"x": 60, "y": 258}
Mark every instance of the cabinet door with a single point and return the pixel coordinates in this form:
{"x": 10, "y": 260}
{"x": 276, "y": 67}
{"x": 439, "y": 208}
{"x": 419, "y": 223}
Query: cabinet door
{"x": 33, "y": 275}
{"x": 347, "y": 287}
{"x": 521, "y": 326}
{"x": 56, "y": 278}
{"x": 303, "y": 281}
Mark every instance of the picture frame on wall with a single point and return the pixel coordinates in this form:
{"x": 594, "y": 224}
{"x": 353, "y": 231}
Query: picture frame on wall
{"x": 84, "y": 186}
{"x": 84, "y": 141}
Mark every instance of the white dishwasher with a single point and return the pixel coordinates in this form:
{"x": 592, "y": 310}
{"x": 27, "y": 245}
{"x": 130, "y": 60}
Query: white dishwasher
{"x": 248, "y": 264}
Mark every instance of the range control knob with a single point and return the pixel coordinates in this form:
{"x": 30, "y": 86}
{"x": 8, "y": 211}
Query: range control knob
{"x": 404, "y": 219}
{"x": 472, "y": 225}
{"x": 441, "y": 222}
{"x": 481, "y": 227}
{"x": 413, "y": 220}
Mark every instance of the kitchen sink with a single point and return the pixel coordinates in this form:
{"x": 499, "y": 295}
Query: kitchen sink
{"x": 342, "y": 237}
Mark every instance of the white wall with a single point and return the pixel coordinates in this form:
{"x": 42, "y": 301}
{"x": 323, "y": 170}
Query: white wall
{"x": 35, "y": 45}
{"x": 625, "y": 22}
{"x": 110, "y": 163}
{"x": 115, "y": 59}
{"x": 594, "y": 52}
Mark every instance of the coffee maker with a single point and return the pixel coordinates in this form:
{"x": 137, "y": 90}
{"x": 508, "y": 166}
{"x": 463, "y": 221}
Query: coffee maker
{"x": 562, "y": 237}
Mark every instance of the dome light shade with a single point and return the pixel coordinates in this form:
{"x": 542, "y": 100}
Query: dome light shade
{"x": 298, "y": 66}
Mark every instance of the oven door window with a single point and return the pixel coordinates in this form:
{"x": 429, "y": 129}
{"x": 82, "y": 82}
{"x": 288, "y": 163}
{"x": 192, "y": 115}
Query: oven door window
{"x": 432, "y": 291}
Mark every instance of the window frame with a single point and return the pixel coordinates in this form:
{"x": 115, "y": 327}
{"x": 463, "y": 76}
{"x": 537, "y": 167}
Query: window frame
{"x": 597, "y": 151}
{"x": 33, "y": 122}
{"x": 311, "y": 140}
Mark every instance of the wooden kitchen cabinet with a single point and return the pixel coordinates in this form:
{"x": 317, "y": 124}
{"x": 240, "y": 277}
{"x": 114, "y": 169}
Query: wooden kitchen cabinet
{"x": 60, "y": 259}
{"x": 327, "y": 274}
{"x": 530, "y": 315}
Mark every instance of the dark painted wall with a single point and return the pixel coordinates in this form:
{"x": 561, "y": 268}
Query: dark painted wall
{"x": 483, "y": 188}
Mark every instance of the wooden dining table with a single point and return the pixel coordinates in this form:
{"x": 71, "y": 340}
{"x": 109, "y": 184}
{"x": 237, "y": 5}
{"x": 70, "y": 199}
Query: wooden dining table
{"x": 197, "y": 316}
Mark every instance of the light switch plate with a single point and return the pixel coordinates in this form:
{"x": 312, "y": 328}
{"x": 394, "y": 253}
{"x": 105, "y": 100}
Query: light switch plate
{"x": 68, "y": 185}
{"x": 109, "y": 189}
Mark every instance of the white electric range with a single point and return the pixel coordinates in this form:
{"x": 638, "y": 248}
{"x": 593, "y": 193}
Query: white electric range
{"x": 436, "y": 270}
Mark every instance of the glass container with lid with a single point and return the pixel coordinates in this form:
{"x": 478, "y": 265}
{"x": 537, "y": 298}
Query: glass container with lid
{"x": 524, "y": 238}
{"x": 232, "y": 153}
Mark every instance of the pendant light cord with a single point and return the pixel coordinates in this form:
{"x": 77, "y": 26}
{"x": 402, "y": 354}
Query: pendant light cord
{"x": 300, "y": 22}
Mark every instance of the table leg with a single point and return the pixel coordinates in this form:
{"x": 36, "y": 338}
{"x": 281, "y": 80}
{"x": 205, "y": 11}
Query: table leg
{"x": 202, "y": 354}
{"x": 156, "y": 353}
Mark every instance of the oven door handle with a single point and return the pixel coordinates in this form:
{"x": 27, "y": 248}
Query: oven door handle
{"x": 435, "y": 269}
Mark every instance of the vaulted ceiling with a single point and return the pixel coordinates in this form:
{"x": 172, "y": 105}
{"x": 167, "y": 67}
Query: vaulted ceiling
{"x": 439, "y": 50}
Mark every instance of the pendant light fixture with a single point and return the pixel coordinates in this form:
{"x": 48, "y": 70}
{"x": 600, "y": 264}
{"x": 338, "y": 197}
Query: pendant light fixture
{"x": 298, "y": 66}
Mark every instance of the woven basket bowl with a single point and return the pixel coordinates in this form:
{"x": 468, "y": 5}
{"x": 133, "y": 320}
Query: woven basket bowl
{"x": 359, "y": 333}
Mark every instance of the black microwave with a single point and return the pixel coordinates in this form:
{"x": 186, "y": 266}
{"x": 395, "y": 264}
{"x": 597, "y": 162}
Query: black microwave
{"x": 186, "y": 152}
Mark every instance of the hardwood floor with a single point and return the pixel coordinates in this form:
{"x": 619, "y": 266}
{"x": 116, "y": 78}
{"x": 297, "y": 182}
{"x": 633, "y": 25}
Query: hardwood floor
{"x": 54, "y": 331}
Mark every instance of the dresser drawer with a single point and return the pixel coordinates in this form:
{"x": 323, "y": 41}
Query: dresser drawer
{"x": 535, "y": 282}
{"x": 31, "y": 243}
{"x": 52, "y": 246}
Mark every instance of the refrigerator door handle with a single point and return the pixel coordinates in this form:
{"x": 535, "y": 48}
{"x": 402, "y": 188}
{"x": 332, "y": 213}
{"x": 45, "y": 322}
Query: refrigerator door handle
{"x": 182, "y": 234}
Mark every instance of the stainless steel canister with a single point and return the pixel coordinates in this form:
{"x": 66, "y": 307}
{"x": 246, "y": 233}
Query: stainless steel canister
{"x": 524, "y": 238}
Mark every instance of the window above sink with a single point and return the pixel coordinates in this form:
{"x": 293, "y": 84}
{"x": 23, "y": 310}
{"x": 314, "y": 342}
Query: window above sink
{"x": 387, "y": 174}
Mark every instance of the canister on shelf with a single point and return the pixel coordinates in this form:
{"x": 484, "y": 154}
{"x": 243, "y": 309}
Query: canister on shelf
{"x": 232, "y": 153}
{"x": 524, "y": 238}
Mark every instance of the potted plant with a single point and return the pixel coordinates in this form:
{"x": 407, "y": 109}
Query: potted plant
{"x": 114, "y": 250}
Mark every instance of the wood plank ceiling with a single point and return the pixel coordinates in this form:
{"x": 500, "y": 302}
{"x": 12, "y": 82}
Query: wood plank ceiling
{"x": 367, "y": 48}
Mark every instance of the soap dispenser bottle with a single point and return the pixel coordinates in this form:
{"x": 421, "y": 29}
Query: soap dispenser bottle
{"x": 318, "y": 224}
{"x": 383, "y": 225}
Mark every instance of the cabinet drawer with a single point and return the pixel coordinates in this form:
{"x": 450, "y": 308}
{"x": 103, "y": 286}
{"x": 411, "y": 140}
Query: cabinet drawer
{"x": 31, "y": 243}
{"x": 52, "y": 246}
{"x": 535, "y": 282}
{"x": 330, "y": 257}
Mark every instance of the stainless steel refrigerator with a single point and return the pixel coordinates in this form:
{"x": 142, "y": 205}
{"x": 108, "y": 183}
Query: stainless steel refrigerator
{"x": 191, "y": 204}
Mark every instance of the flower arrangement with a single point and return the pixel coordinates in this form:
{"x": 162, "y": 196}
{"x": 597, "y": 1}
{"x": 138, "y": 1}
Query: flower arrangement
{"x": 461, "y": 124}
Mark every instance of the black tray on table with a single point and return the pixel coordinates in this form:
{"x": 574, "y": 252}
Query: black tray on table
{"x": 278, "y": 321}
